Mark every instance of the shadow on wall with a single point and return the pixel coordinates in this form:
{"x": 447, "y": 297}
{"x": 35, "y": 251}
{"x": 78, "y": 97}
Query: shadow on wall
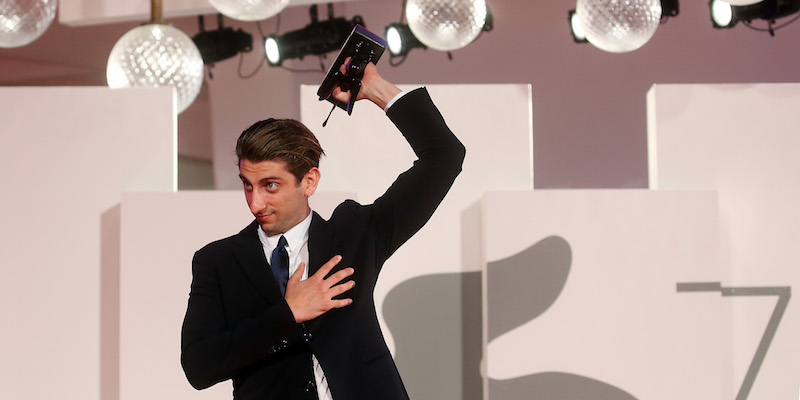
{"x": 436, "y": 324}
{"x": 110, "y": 303}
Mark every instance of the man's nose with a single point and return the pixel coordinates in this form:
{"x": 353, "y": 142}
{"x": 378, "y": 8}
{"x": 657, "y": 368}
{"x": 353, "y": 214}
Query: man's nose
{"x": 257, "y": 202}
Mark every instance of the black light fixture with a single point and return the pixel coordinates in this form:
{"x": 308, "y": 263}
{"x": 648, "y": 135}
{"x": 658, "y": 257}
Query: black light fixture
{"x": 726, "y": 15}
{"x": 669, "y": 8}
{"x": 401, "y": 40}
{"x": 316, "y": 38}
{"x": 222, "y": 43}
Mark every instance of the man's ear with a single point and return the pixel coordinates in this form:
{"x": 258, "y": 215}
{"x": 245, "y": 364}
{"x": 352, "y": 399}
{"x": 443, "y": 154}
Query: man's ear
{"x": 310, "y": 181}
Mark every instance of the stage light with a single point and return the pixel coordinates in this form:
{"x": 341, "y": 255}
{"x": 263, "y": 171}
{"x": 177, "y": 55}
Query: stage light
{"x": 272, "y": 51}
{"x": 619, "y": 26}
{"x": 721, "y": 14}
{"x": 157, "y": 55}
{"x": 249, "y": 10}
{"x": 394, "y": 40}
{"x": 221, "y": 44}
{"x": 578, "y": 34}
{"x": 316, "y": 38}
{"x": 23, "y": 21}
{"x": 401, "y": 40}
{"x": 725, "y": 14}
{"x": 446, "y": 24}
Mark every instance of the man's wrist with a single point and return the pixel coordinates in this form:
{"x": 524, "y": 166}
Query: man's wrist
{"x": 393, "y": 100}
{"x": 383, "y": 92}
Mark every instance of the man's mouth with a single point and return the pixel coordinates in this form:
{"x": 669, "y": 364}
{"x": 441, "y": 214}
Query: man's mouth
{"x": 264, "y": 217}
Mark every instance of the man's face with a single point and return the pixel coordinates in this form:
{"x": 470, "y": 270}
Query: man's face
{"x": 274, "y": 196}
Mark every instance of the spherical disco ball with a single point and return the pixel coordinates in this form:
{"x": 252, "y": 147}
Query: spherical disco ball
{"x": 619, "y": 26}
{"x": 157, "y": 55}
{"x": 23, "y": 21}
{"x": 446, "y": 24}
{"x": 249, "y": 10}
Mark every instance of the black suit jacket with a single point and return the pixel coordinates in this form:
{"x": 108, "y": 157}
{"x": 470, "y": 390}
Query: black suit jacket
{"x": 238, "y": 326}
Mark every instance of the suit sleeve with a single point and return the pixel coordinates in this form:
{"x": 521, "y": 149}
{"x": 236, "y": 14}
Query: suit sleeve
{"x": 213, "y": 349}
{"x": 411, "y": 200}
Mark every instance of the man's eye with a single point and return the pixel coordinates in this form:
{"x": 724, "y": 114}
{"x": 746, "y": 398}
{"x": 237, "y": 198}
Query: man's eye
{"x": 247, "y": 186}
{"x": 272, "y": 186}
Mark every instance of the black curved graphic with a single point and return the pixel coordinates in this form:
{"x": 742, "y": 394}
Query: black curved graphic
{"x": 436, "y": 324}
{"x": 784, "y": 293}
{"x": 555, "y": 386}
{"x": 529, "y": 281}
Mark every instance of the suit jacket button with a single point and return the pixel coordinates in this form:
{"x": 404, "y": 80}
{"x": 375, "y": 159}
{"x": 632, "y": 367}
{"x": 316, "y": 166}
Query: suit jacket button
{"x": 308, "y": 337}
{"x": 310, "y": 386}
{"x": 284, "y": 343}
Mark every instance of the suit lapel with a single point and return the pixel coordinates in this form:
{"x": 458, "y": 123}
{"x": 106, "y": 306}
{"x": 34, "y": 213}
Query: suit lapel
{"x": 250, "y": 256}
{"x": 251, "y": 259}
{"x": 320, "y": 238}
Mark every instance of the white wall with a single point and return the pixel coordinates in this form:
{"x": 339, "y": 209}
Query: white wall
{"x": 85, "y": 327}
{"x": 67, "y": 154}
{"x": 365, "y": 153}
{"x": 582, "y": 283}
{"x": 742, "y": 141}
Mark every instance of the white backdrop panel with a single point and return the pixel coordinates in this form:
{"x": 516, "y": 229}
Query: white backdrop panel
{"x": 619, "y": 320}
{"x": 742, "y": 141}
{"x": 160, "y": 233}
{"x": 365, "y": 153}
{"x": 67, "y": 154}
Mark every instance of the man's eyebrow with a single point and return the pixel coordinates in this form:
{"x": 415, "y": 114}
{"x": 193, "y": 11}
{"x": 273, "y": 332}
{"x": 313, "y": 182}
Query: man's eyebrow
{"x": 269, "y": 179}
{"x": 262, "y": 180}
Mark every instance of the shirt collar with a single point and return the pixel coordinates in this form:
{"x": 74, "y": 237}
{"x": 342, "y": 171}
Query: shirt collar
{"x": 295, "y": 236}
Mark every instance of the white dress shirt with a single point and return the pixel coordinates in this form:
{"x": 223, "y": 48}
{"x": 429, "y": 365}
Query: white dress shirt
{"x": 297, "y": 247}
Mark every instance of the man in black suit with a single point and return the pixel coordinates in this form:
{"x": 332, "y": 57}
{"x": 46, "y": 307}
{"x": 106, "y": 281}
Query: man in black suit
{"x": 321, "y": 339}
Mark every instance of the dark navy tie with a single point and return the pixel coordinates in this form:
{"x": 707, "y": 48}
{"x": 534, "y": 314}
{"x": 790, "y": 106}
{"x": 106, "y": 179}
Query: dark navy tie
{"x": 280, "y": 264}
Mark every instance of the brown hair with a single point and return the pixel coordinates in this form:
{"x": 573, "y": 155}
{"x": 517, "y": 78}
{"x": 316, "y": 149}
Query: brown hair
{"x": 280, "y": 139}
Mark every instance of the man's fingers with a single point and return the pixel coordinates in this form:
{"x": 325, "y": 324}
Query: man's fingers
{"x": 298, "y": 274}
{"x": 338, "y": 94}
{"x": 339, "y": 289}
{"x": 339, "y": 276}
{"x": 341, "y": 303}
{"x": 327, "y": 267}
{"x": 343, "y": 67}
